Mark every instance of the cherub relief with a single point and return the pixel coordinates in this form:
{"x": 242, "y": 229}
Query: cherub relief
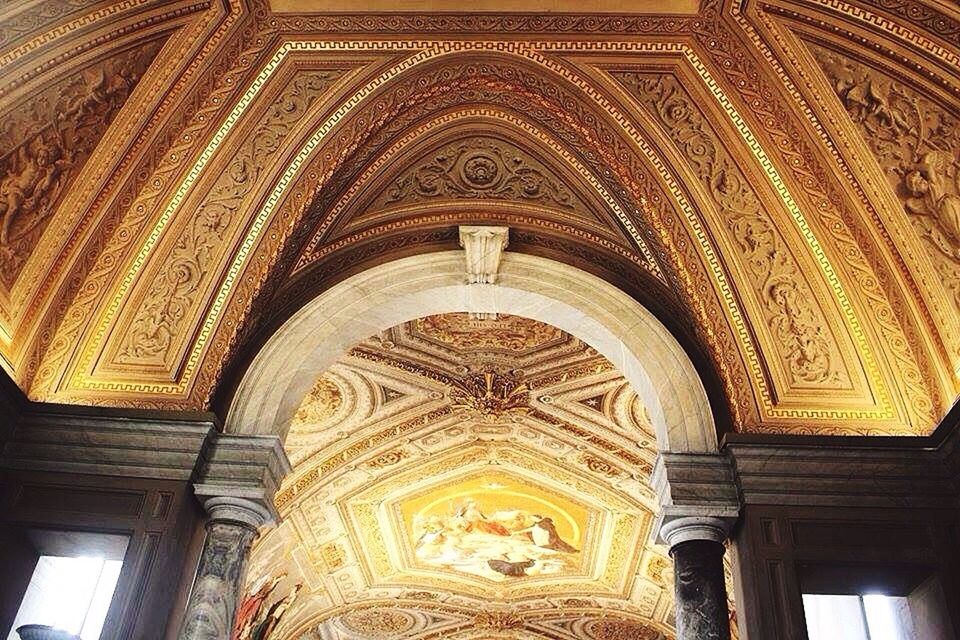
{"x": 917, "y": 144}
{"x": 45, "y": 140}
{"x": 33, "y": 180}
{"x": 933, "y": 188}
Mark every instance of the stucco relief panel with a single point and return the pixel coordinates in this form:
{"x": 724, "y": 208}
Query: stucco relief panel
{"x": 183, "y": 275}
{"x": 916, "y": 141}
{"x": 161, "y": 308}
{"x": 796, "y": 325}
{"x": 837, "y": 227}
{"x": 46, "y": 138}
{"x": 117, "y": 215}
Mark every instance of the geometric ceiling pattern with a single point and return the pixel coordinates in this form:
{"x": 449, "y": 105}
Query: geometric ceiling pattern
{"x": 470, "y": 478}
{"x": 779, "y": 181}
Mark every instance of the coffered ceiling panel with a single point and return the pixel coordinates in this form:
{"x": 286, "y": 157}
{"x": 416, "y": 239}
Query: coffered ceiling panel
{"x": 465, "y": 477}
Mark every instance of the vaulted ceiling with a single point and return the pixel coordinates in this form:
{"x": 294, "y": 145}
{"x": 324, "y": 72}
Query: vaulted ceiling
{"x": 423, "y": 457}
{"x": 779, "y": 180}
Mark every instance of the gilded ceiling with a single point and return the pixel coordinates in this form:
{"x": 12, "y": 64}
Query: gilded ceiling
{"x": 778, "y": 178}
{"x": 469, "y": 478}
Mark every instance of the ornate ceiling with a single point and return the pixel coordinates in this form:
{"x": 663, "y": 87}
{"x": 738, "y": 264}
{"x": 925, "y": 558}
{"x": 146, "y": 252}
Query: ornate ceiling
{"x": 778, "y": 179}
{"x": 470, "y": 478}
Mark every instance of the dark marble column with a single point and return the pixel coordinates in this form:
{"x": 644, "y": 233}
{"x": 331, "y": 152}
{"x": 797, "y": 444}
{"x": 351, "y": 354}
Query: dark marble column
{"x": 696, "y": 546}
{"x": 231, "y": 529}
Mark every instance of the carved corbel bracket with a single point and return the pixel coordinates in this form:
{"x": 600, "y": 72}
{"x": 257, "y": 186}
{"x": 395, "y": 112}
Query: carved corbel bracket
{"x": 242, "y": 469}
{"x": 484, "y": 247}
{"x": 698, "y": 495}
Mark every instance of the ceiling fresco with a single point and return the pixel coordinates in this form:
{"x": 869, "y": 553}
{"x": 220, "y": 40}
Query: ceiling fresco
{"x": 415, "y": 513}
{"x": 777, "y": 178}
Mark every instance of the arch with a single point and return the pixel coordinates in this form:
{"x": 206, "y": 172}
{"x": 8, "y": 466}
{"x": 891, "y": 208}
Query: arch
{"x": 601, "y": 315}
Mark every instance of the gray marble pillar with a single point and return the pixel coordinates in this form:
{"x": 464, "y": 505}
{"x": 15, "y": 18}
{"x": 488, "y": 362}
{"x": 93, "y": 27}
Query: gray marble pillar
{"x": 696, "y": 546}
{"x": 231, "y": 529}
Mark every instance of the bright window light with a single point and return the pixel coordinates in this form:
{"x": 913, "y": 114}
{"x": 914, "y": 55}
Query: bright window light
{"x": 831, "y": 617}
{"x": 68, "y": 593}
{"x": 868, "y": 617}
{"x": 885, "y": 617}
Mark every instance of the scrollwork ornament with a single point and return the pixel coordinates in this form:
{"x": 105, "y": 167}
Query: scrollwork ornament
{"x": 379, "y": 622}
{"x": 479, "y": 168}
{"x": 170, "y": 299}
{"x": 794, "y": 320}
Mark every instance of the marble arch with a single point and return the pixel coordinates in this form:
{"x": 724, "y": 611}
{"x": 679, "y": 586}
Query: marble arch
{"x": 581, "y": 304}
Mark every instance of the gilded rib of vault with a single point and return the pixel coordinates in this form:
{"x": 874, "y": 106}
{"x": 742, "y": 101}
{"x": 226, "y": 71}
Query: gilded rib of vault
{"x": 782, "y": 175}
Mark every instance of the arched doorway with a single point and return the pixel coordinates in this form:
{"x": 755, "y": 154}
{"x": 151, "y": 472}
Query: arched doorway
{"x": 411, "y": 519}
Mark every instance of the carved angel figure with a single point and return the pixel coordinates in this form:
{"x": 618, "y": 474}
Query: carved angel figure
{"x": 934, "y": 192}
{"x": 32, "y": 182}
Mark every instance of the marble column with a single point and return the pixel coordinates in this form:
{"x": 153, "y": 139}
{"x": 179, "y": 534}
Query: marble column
{"x": 232, "y": 526}
{"x": 696, "y": 546}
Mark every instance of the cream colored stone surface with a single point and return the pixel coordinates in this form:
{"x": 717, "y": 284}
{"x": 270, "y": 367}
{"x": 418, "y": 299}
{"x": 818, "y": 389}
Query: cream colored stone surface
{"x": 607, "y": 319}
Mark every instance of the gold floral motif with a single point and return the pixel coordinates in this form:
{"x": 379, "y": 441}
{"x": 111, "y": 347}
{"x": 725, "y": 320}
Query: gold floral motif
{"x": 320, "y": 403}
{"x": 374, "y": 622}
{"x": 479, "y": 168}
{"x": 794, "y": 319}
{"x": 660, "y": 570}
{"x": 498, "y": 620}
{"x": 170, "y": 299}
{"x": 333, "y": 555}
{"x": 607, "y": 629}
{"x": 598, "y": 465}
{"x": 491, "y": 395}
{"x": 388, "y": 459}
{"x": 506, "y": 332}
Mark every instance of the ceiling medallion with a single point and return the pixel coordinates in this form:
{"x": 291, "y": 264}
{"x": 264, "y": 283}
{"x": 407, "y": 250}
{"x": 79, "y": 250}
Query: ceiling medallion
{"x": 491, "y": 396}
{"x": 480, "y": 171}
{"x": 377, "y": 622}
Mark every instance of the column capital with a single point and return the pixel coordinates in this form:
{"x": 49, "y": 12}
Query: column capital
{"x": 675, "y": 530}
{"x": 241, "y": 473}
{"x": 234, "y": 510}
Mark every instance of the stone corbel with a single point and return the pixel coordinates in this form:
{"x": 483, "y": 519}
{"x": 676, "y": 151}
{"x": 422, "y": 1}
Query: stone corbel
{"x": 698, "y": 496}
{"x": 484, "y": 247}
{"x": 242, "y": 470}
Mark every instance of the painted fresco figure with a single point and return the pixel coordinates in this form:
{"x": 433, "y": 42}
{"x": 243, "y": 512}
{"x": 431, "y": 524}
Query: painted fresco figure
{"x": 270, "y": 621}
{"x": 544, "y": 534}
{"x": 249, "y": 610}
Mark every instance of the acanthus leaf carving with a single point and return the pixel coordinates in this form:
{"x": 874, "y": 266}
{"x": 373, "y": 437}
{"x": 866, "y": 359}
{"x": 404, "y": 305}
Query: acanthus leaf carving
{"x": 794, "y": 320}
{"x": 178, "y": 284}
{"x": 917, "y": 144}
